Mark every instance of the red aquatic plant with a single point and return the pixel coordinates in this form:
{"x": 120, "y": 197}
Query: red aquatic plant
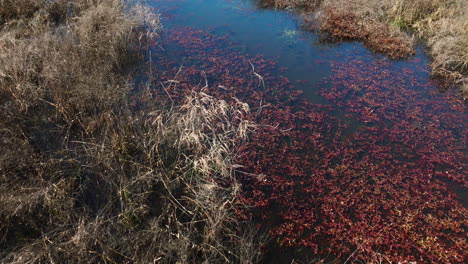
{"x": 378, "y": 186}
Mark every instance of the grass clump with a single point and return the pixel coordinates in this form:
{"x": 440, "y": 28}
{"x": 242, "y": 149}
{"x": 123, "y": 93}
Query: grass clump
{"x": 84, "y": 178}
{"x": 381, "y": 25}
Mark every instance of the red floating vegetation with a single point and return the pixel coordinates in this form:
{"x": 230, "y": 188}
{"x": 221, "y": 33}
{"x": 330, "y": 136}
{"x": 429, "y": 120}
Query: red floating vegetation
{"x": 379, "y": 189}
{"x": 377, "y": 36}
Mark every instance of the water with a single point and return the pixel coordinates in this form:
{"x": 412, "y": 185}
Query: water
{"x": 363, "y": 144}
{"x": 275, "y": 34}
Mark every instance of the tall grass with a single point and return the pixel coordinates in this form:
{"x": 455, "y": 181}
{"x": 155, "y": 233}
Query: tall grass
{"x": 442, "y": 23}
{"x": 84, "y": 178}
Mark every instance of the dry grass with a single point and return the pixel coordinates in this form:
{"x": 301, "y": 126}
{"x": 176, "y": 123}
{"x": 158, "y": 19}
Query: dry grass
{"x": 153, "y": 187}
{"x": 64, "y": 63}
{"x": 83, "y": 177}
{"x": 442, "y": 23}
{"x": 11, "y": 9}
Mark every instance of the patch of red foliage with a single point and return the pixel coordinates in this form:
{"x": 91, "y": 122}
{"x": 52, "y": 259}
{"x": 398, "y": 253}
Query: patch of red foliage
{"x": 342, "y": 25}
{"x": 377, "y": 36}
{"x": 374, "y": 190}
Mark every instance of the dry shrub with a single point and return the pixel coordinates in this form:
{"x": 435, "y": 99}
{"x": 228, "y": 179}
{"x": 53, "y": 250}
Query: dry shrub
{"x": 86, "y": 179}
{"x": 13, "y": 9}
{"x": 75, "y": 66}
{"x": 449, "y": 49}
{"x": 444, "y": 24}
{"x": 154, "y": 186}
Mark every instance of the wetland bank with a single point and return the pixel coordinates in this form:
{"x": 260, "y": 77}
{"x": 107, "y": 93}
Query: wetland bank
{"x": 233, "y": 134}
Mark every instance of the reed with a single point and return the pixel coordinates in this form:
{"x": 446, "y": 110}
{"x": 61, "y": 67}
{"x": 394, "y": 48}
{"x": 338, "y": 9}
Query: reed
{"x": 87, "y": 178}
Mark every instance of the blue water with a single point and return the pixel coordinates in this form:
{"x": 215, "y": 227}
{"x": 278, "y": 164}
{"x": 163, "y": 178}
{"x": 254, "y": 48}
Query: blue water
{"x": 278, "y": 35}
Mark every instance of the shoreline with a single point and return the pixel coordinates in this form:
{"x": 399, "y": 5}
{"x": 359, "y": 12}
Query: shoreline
{"x": 444, "y": 35}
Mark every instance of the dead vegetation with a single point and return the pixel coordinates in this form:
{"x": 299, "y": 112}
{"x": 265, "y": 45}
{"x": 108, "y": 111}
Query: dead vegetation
{"x": 443, "y": 24}
{"x": 86, "y": 179}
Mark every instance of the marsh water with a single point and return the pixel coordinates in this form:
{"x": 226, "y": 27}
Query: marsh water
{"x": 389, "y": 109}
{"x": 302, "y": 55}
{"x": 299, "y": 55}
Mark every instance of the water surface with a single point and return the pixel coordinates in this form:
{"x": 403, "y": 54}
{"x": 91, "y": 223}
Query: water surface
{"x": 351, "y": 141}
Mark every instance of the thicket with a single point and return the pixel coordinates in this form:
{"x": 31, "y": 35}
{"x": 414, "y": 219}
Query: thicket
{"x": 94, "y": 170}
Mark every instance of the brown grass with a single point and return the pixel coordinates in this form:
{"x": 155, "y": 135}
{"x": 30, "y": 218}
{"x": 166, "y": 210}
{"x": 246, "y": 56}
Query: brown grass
{"x": 86, "y": 179}
{"x": 443, "y": 24}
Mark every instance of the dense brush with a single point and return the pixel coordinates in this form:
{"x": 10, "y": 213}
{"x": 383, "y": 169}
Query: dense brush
{"x": 84, "y": 178}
